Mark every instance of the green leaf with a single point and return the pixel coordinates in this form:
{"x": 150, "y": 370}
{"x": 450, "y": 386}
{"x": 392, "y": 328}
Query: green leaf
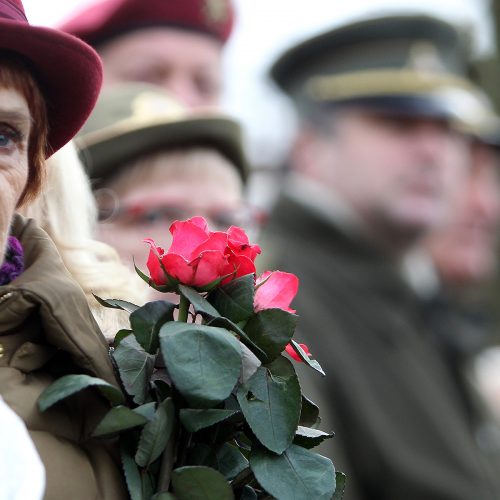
{"x": 271, "y": 403}
{"x": 194, "y": 420}
{"x": 309, "y": 438}
{"x": 340, "y": 485}
{"x": 271, "y": 330}
{"x": 230, "y": 461}
{"x": 203, "y": 362}
{"x": 249, "y": 363}
{"x": 147, "y": 410}
{"x": 234, "y": 300}
{"x": 305, "y": 358}
{"x": 146, "y": 321}
{"x": 200, "y": 304}
{"x": 245, "y": 339}
{"x": 71, "y": 384}
{"x": 135, "y": 366}
{"x": 162, "y": 388}
{"x": 200, "y": 483}
{"x": 118, "y": 419}
{"x": 160, "y": 288}
{"x": 163, "y": 496}
{"x": 155, "y": 434}
{"x": 148, "y": 484}
{"x": 309, "y": 413}
{"x": 132, "y": 474}
{"x": 116, "y": 304}
{"x": 226, "y": 458}
{"x": 120, "y": 335}
{"x": 297, "y": 473}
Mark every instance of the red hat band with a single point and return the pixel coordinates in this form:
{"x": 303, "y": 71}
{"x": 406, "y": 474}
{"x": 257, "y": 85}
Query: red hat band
{"x": 12, "y": 10}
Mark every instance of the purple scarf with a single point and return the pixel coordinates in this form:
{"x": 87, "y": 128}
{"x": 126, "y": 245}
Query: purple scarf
{"x": 13, "y": 264}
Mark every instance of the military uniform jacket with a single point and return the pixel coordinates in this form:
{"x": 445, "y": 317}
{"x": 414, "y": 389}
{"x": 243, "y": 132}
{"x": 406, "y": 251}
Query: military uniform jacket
{"x": 402, "y": 431}
{"x": 47, "y": 330}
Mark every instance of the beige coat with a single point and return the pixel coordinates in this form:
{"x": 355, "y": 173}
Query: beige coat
{"x": 46, "y": 330}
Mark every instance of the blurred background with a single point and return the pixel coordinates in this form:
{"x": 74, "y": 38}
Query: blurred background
{"x": 265, "y": 28}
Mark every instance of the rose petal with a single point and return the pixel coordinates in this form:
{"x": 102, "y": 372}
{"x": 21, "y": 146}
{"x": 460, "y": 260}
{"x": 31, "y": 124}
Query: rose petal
{"x": 200, "y": 222}
{"x": 291, "y": 352}
{"x": 277, "y": 291}
{"x": 155, "y": 270}
{"x": 237, "y": 236}
{"x": 187, "y": 236}
{"x": 215, "y": 242}
{"x": 152, "y": 244}
{"x": 209, "y": 267}
{"x": 237, "y": 265}
{"x": 239, "y": 244}
{"x": 177, "y": 267}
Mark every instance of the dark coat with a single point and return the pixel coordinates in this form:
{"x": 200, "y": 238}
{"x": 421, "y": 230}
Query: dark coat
{"x": 402, "y": 428}
{"x": 46, "y": 330}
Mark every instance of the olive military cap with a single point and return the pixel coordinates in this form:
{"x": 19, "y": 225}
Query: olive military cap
{"x": 400, "y": 63}
{"x": 133, "y": 119}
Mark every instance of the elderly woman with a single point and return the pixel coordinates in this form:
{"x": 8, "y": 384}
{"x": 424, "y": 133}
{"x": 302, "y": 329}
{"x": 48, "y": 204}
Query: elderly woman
{"x": 49, "y": 82}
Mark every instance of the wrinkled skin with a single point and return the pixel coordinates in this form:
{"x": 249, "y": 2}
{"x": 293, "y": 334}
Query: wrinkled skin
{"x": 15, "y": 126}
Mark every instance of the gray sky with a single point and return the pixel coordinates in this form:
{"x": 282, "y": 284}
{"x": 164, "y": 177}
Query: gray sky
{"x": 265, "y": 28}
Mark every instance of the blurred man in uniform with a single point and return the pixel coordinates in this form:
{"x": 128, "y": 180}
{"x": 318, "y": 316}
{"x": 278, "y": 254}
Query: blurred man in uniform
{"x": 379, "y": 154}
{"x": 463, "y": 254}
{"x": 174, "y": 44}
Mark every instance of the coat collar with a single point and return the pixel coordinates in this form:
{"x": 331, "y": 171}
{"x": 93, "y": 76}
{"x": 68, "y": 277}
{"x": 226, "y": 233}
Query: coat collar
{"x": 45, "y": 291}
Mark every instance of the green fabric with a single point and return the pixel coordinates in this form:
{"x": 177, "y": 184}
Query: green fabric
{"x": 402, "y": 429}
{"x": 393, "y": 42}
{"x": 135, "y": 119}
{"x": 46, "y": 330}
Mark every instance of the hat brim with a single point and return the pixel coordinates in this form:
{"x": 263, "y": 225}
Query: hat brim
{"x": 105, "y": 150}
{"x": 68, "y": 71}
{"x": 410, "y": 105}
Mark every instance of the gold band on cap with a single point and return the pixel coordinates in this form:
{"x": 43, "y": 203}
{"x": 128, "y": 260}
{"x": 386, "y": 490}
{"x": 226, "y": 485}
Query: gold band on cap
{"x": 379, "y": 83}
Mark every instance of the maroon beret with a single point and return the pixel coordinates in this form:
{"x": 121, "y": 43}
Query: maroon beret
{"x": 109, "y": 18}
{"x": 67, "y": 70}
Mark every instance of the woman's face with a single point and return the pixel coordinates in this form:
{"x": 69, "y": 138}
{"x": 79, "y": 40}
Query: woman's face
{"x": 15, "y": 125}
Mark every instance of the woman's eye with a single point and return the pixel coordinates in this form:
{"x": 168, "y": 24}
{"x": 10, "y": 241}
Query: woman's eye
{"x": 8, "y": 136}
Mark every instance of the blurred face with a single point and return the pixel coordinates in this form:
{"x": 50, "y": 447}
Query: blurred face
{"x": 147, "y": 209}
{"x": 15, "y": 126}
{"x": 465, "y": 249}
{"x": 185, "y": 63}
{"x": 395, "y": 172}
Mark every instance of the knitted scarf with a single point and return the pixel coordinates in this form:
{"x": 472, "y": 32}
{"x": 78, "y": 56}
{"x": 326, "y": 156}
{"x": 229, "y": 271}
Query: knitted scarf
{"x": 13, "y": 264}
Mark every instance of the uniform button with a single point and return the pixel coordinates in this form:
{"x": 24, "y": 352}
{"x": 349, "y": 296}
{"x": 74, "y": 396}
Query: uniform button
{"x": 1, "y": 351}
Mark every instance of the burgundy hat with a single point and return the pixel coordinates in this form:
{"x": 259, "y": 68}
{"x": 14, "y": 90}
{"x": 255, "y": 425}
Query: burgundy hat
{"x": 68, "y": 71}
{"x": 109, "y": 18}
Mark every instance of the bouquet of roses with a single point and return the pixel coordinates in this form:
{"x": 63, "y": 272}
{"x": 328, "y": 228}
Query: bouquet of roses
{"x": 212, "y": 407}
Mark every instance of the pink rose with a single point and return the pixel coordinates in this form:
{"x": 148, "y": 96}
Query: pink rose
{"x": 240, "y": 254}
{"x": 291, "y": 352}
{"x": 275, "y": 290}
{"x": 198, "y": 257}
